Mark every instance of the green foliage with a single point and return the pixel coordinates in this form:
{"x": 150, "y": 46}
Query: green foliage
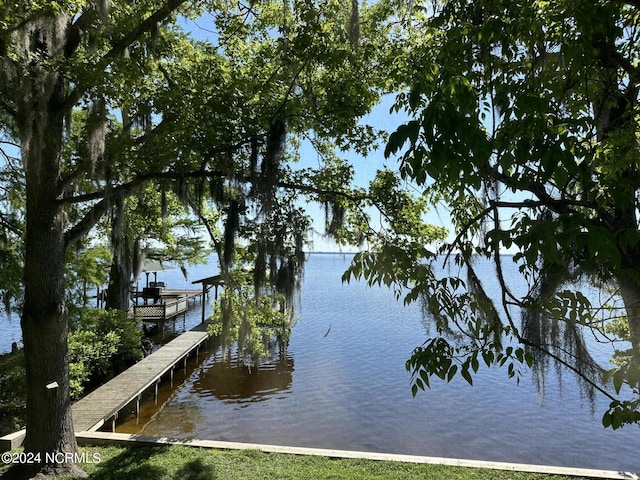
{"x": 618, "y": 327}
{"x": 104, "y": 322}
{"x": 440, "y": 358}
{"x": 161, "y": 224}
{"x": 89, "y": 355}
{"x": 256, "y": 325}
{"x": 86, "y": 270}
{"x": 254, "y": 316}
{"x": 626, "y": 376}
{"x": 12, "y": 392}
{"x": 104, "y": 343}
{"x": 523, "y": 120}
{"x": 399, "y": 243}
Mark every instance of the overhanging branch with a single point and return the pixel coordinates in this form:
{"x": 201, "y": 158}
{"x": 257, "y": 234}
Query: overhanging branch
{"x": 106, "y": 196}
{"x": 119, "y": 47}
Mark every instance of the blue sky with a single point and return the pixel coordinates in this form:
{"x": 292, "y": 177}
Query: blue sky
{"x": 365, "y": 169}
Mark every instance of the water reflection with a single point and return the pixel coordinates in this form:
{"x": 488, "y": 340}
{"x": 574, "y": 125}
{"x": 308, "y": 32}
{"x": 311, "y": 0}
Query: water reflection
{"x": 349, "y": 389}
{"x": 229, "y": 379}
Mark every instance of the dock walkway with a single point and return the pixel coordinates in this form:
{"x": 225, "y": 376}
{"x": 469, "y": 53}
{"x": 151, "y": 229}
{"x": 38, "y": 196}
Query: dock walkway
{"x": 93, "y": 410}
{"x": 104, "y": 403}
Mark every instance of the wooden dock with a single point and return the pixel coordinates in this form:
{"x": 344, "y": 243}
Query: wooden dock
{"x": 167, "y": 305}
{"x": 103, "y": 404}
{"x": 94, "y": 410}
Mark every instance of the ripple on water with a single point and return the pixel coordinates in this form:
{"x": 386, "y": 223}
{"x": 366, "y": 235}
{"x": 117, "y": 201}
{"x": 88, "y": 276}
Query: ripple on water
{"x": 343, "y": 385}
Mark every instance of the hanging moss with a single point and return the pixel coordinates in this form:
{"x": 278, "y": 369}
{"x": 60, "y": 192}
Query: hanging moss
{"x": 488, "y": 309}
{"x": 96, "y": 132}
{"x": 217, "y": 190}
{"x": 287, "y": 280}
{"x": 566, "y": 341}
{"x": 260, "y": 267}
{"x": 163, "y": 205}
{"x": 270, "y": 167}
{"x": 181, "y": 188}
{"x": 354, "y": 25}
{"x": 334, "y": 217}
{"x": 231, "y": 228}
{"x": 253, "y": 159}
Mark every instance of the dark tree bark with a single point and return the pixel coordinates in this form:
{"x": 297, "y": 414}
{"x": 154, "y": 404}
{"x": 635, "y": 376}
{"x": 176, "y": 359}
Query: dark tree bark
{"x": 119, "y": 293}
{"x": 36, "y": 93}
{"x": 44, "y": 318}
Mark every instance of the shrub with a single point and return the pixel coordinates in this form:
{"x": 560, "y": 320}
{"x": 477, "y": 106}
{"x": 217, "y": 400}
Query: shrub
{"x": 12, "y": 392}
{"x": 89, "y": 358}
{"x": 107, "y": 342}
{"x": 118, "y": 322}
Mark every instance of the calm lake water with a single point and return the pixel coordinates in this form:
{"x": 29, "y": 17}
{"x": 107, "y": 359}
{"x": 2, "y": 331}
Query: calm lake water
{"x": 343, "y": 385}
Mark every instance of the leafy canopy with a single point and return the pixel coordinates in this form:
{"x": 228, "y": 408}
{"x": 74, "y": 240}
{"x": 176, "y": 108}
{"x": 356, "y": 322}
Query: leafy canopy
{"x": 524, "y": 123}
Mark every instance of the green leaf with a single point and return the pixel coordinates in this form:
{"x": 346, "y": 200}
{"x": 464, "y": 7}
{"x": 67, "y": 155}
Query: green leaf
{"x": 488, "y": 357}
{"x": 425, "y": 378}
{"x": 452, "y": 372}
{"x": 528, "y": 357}
{"x": 618, "y": 379}
{"x": 475, "y": 364}
{"x": 467, "y": 376}
{"x": 606, "y": 420}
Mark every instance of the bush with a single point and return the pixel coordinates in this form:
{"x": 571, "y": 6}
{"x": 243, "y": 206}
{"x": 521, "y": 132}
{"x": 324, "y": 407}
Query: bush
{"x": 103, "y": 322}
{"x": 12, "y": 392}
{"x": 89, "y": 358}
{"x": 106, "y": 343}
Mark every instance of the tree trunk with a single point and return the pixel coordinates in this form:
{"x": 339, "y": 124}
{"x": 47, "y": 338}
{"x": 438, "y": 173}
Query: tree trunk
{"x": 630, "y": 292}
{"x": 119, "y": 293}
{"x": 44, "y": 319}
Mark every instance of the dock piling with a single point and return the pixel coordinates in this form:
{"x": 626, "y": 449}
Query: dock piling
{"x": 104, "y": 403}
{"x": 113, "y": 422}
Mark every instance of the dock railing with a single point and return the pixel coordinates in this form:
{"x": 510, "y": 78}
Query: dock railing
{"x": 161, "y": 311}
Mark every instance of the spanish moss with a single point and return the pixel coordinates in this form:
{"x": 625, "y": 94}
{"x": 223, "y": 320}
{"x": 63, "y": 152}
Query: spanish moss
{"x": 354, "y": 25}
{"x": 231, "y": 228}
{"x": 270, "y": 167}
{"x": 563, "y": 338}
{"x": 334, "y": 217}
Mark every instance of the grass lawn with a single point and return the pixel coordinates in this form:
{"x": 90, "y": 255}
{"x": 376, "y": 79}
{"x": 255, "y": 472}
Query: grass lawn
{"x": 177, "y": 462}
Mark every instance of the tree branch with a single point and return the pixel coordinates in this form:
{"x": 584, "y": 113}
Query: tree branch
{"x": 78, "y": 29}
{"x": 107, "y": 195}
{"x": 90, "y": 219}
{"x": 119, "y": 47}
{"x": 10, "y": 225}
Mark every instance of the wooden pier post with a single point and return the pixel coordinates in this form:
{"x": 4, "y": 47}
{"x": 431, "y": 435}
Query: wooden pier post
{"x": 113, "y": 422}
{"x": 103, "y": 404}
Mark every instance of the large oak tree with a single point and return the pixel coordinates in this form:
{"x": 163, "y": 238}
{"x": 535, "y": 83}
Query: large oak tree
{"x": 204, "y": 119}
